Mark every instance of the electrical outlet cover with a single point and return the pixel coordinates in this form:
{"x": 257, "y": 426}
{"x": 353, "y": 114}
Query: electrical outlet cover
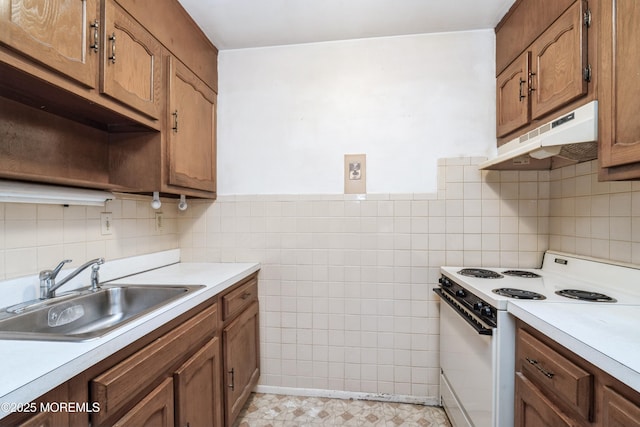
{"x": 355, "y": 173}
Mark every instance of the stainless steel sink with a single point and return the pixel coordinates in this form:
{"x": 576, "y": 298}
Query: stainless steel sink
{"x": 88, "y": 314}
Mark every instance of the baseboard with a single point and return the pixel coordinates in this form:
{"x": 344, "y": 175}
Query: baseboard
{"x": 338, "y": 394}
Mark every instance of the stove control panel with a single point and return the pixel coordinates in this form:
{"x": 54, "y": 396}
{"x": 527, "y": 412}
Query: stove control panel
{"x": 468, "y": 303}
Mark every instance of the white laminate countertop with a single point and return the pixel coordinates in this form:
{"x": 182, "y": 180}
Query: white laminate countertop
{"x": 604, "y": 334}
{"x": 31, "y": 368}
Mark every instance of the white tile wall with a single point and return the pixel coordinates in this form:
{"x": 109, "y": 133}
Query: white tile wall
{"x": 345, "y": 287}
{"x": 346, "y": 301}
{"x": 35, "y": 237}
{"x": 599, "y": 219}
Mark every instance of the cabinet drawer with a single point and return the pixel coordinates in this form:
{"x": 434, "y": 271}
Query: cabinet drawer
{"x": 116, "y": 387}
{"x": 556, "y": 374}
{"x": 236, "y": 300}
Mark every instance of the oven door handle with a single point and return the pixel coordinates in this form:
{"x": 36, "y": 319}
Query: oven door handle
{"x": 474, "y": 324}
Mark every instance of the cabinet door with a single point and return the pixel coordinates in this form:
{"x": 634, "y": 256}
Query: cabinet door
{"x": 534, "y": 409}
{"x": 131, "y": 62}
{"x": 191, "y": 138}
{"x": 512, "y": 96}
{"x": 56, "y": 33}
{"x": 619, "y": 411}
{"x": 559, "y": 57}
{"x": 46, "y": 418}
{"x": 618, "y": 100}
{"x": 155, "y": 410}
{"x": 241, "y": 361}
{"x": 43, "y": 419}
{"x": 198, "y": 388}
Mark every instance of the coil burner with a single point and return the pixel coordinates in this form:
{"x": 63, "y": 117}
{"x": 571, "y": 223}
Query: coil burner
{"x": 521, "y": 273}
{"x": 518, "y": 293}
{"x": 585, "y": 295}
{"x": 480, "y": 273}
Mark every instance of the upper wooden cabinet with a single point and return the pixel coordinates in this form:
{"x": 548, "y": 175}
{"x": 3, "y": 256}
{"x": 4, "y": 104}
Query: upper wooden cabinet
{"x": 131, "y": 82}
{"x": 61, "y": 34}
{"x": 525, "y": 22}
{"x": 551, "y": 73}
{"x": 130, "y": 69}
{"x": 512, "y": 98}
{"x": 191, "y": 134}
{"x": 559, "y": 69}
{"x": 618, "y": 100}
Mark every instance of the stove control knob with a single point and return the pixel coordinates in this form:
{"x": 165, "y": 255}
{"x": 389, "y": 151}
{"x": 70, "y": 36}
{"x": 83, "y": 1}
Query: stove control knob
{"x": 461, "y": 293}
{"x": 444, "y": 282}
{"x": 486, "y": 311}
{"x": 478, "y": 306}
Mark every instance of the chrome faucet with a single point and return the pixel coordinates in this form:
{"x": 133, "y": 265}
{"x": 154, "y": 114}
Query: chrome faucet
{"x": 48, "y": 285}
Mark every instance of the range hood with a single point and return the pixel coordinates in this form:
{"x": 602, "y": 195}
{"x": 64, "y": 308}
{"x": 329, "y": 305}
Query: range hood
{"x": 566, "y": 140}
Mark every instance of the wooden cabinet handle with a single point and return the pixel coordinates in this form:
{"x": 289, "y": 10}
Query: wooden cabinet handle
{"x": 539, "y": 367}
{"x": 175, "y": 121}
{"x": 96, "y": 37}
{"x": 245, "y": 295}
{"x": 522, "y": 82}
{"x": 531, "y": 88}
{"x": 232, "y": 384}
{"x": 112, "y": 58}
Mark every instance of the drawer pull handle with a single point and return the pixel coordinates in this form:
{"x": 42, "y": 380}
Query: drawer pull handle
{"x": 245, "y": 295}
{"x": 232, "y": 385}
{"x": 540, "y": 368}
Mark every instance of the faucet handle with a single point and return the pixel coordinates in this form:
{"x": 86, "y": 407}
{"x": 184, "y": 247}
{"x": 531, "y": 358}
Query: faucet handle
{"x": 59, "y": 267}
{"x": 51, "y": 274}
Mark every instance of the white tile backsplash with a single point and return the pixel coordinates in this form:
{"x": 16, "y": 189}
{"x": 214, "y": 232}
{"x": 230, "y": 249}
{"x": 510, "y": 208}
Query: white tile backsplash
{"x": 35, "y": 237}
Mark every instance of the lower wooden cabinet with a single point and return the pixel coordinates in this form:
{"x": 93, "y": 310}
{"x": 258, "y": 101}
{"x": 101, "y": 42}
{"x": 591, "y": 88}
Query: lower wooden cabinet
{"x": 241, "y": 360}
{"x": 240, "y": 345}
{"x": 197, "y": 370}
{"x": 535, "y": 409}
{"x": 557, "y": 388}
{"x": 618, "y": 411}
{"x": 155, "y": 410}
{"x": 198, "y": 389}
{"x": 119, "y": 387}
{"x": 36, "y": 414}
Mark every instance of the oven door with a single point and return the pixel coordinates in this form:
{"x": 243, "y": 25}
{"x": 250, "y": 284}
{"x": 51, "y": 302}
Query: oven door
{"x": 467, "y": 363}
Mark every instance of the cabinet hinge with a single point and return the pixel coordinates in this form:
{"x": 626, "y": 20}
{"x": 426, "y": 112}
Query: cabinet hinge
{"x": 586, "y": 18}
{"x": 586, "y": 73}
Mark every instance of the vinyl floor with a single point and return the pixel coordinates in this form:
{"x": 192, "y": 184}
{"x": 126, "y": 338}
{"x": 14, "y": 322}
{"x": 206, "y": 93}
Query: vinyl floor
{"x": 274, "y": 410}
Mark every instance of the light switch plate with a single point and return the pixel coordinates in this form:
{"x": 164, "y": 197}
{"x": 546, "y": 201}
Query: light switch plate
{"x": 355, "y": 173}
{"x": 106, "y": 223}
{"x": 159, "y": 221}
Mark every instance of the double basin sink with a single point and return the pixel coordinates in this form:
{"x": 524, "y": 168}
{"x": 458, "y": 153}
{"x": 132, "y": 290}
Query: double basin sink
{"x": 86, "y": 314}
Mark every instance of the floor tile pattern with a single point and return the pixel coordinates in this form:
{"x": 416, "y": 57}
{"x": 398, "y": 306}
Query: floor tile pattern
{"x": 274, "y": 410}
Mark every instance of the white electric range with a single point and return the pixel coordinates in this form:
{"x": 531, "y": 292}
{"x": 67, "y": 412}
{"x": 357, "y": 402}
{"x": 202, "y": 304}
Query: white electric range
{"x": 477, "y": 335}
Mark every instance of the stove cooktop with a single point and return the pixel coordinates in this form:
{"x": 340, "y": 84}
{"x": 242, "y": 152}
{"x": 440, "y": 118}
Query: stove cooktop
{"x": 596, "y": 281}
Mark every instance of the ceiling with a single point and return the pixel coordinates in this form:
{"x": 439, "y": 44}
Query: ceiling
{"x": 239, "y": 24}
